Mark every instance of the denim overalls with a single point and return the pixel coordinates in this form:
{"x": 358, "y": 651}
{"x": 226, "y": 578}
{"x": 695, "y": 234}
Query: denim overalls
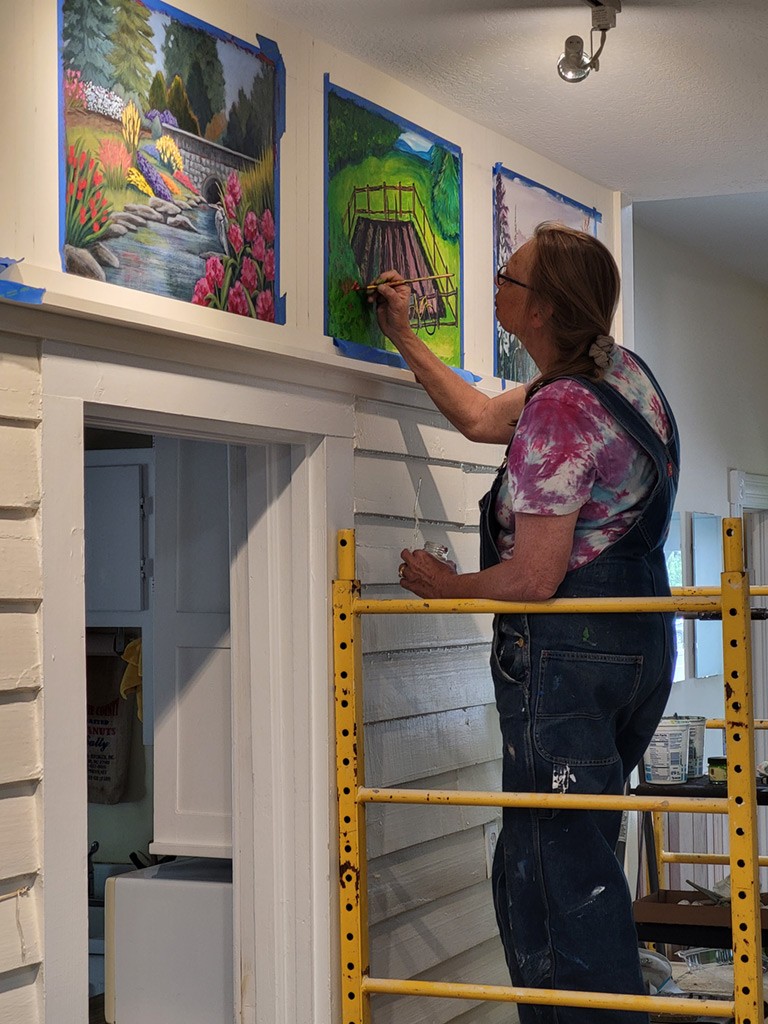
{"x": 579, "y": 697}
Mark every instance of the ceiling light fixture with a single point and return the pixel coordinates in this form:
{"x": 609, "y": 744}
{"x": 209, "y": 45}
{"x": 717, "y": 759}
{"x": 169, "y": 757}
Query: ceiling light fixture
{"x": 574, "y": 64}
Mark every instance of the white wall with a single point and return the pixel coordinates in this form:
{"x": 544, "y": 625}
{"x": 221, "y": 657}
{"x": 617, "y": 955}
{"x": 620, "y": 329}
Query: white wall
{"x": 703, "y": 330}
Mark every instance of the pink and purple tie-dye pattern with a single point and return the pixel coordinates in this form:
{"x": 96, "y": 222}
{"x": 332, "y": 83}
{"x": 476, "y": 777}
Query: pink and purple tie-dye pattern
{"x": 569, "y": 453}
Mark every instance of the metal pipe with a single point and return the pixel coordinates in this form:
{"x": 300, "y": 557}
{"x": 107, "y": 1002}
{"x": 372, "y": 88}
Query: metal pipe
{"x": 564, "y": 801}
{"x": 551, "y": 997}
{"x": 562, "y": 605}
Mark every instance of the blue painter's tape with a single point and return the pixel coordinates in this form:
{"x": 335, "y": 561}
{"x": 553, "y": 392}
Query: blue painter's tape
{"x": 379, "y": 355}
{"x": 21, "y": 292}
{"x": 280, "y": 309}
{"x": 271, "y": 51}
{"x": 6, "y": 261}
{"x": 514, "y": 176}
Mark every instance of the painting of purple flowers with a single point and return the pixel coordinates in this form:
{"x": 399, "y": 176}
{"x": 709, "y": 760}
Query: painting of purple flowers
{"x": 170, "y": 150}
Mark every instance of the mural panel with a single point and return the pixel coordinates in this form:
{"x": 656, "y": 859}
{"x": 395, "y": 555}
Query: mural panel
{"x": 519, "y": 204}
{"x": 393, "y": 201}
{"x": 169, "y": 166}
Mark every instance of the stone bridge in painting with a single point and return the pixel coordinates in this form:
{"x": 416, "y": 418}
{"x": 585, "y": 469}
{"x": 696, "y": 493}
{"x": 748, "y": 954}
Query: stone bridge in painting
{"x": 207, "y": 163}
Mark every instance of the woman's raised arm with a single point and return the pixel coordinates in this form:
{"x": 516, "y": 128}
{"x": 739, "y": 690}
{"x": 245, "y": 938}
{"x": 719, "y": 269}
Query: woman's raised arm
{"x": 475, "y": 415}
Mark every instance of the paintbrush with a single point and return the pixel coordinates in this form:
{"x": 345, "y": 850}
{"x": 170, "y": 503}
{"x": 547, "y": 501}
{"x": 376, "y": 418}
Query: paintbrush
{"x": 409, "y": 280}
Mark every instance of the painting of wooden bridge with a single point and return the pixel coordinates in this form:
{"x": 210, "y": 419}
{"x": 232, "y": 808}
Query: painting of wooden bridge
{"x": 388, "y": 227}
{"x": 393, "y": 202}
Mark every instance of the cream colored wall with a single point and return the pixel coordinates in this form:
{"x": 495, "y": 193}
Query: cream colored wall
{"x": 20, "y": 679}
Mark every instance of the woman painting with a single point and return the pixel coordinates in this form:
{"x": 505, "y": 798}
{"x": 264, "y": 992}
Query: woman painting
{"x": 580, "y": 508}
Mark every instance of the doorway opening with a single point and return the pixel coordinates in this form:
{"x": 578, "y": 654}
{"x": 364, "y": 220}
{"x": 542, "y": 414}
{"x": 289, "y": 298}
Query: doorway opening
{"x": 158, "y": 722}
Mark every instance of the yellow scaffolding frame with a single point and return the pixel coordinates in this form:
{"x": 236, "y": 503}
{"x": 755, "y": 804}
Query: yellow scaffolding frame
{"x": 731, "y": 600}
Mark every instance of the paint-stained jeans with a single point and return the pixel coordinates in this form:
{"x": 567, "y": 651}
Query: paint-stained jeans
{"x": 579, "y": 698}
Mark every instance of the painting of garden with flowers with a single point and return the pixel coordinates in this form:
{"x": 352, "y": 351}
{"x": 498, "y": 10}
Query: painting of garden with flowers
{"x": 171, "y": 132}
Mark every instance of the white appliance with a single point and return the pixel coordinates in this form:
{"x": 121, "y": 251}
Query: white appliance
{"x": 168, "y": 944}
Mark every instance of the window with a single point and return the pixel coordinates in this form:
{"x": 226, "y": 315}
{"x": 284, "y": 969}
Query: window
{"x": 693, "y": 553}
{"x": 673, "y": 552}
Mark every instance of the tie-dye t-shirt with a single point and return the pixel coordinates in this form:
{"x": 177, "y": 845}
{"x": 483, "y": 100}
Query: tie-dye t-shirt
{"x": 569, "y": 453}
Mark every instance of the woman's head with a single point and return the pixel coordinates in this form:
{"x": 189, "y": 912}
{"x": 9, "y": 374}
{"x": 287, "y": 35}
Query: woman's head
{"x": 575, "y": 281}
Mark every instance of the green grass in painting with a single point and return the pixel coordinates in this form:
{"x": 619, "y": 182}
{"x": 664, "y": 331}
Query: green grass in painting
{"x": 346, "y": 317}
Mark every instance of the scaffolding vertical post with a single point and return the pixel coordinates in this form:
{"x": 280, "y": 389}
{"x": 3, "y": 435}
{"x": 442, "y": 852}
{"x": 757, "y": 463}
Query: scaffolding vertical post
{"x": 742, "y": 795}
{"x": 353, "y": 888}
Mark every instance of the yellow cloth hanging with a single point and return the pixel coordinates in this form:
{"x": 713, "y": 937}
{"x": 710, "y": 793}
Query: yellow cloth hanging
{"x": 132, "y": 677}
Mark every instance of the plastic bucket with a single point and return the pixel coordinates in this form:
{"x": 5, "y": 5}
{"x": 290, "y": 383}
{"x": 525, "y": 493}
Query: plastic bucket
{"x": 697, "y": 727}
{"x": 666, "y": 759}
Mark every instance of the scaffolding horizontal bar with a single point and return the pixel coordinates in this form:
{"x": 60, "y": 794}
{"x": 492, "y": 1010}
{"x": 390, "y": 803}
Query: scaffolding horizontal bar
{"x": 719, "y": 723}
{"x": 668, "y": 857}
{"x": 565, "y": 801}
{"x": 551, "y": 997}
{"x": 561, "y": 605}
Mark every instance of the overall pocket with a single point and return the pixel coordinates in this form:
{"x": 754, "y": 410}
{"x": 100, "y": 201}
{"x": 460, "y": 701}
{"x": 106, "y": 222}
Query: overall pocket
{"x": 509, "y": 654}
{"x": 579, "y": 694}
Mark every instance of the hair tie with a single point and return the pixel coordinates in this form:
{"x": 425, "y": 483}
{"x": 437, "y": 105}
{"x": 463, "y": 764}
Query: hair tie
{"x": 603, "y": 350}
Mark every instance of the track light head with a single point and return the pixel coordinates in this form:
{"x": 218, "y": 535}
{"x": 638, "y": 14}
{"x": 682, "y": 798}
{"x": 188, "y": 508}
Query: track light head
{"x": 574, "y": 65}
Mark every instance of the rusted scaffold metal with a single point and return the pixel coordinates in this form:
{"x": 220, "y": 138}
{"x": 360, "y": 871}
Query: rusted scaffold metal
{"x": 731, "y": 600}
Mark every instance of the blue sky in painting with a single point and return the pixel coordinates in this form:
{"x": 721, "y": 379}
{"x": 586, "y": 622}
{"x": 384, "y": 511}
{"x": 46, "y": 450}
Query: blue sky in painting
{"x": 412, "y": 142}
{"x": 240, "y": 66}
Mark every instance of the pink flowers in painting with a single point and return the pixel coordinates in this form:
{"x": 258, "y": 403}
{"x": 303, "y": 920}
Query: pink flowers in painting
{"x": 242, "y": 279}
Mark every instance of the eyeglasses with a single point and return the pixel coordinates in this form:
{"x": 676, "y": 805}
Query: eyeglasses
{"x": 501, "y": 277}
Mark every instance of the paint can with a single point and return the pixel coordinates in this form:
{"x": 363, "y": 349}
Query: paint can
{"x": 666, "y": 759}
{"x": 718, "y": 770}
{"x": 697, "y": 727}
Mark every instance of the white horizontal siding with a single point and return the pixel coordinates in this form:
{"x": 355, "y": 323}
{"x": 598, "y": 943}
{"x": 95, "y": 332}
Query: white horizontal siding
{"x": 414, "y": 748}
{"x": 19, "y": 649}
{"x": 450, "y": 925}
{"x": 413, "y": 488}
{"x": 404, "y": 683}
{"x": 20, "y": 754}
{"x": 380, "y": 541}
{"x": 406, "y": 430}
{"x": 19, "y": 457}
{"x": 20, "y": 944}
{"x": 20, "y": 388}
{"x": 20, "y": 558}
{"x": 417, "y": 875}
{"x": 394, "y": 827}
{"x": 19, "y": 850}
{"x": 20, "y": 999}
{"x": 412, "y": 632}
{"x": 482, "y": 965}
{"x": 430, "y": 720}
{"x": 20, "y": 679}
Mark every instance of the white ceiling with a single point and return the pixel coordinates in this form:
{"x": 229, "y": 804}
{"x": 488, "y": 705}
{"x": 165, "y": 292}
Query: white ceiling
{"x": 677, "y": 110}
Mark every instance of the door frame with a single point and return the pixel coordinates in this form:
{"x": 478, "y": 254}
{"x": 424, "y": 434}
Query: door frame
{"x": 283, "y": 876}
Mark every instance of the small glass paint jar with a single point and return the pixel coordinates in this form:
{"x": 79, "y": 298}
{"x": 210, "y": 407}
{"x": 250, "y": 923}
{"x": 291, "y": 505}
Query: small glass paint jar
{"x": 438, "y": 551}
{"x": 718, "y": 770}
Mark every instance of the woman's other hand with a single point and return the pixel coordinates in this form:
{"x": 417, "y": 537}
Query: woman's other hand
{"x": 425, "y": 575}
{"x": 392, "y": 301}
